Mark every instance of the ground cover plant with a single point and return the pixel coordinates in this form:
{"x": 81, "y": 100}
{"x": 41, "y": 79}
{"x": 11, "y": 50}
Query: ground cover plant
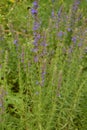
{"x": 43, "y": 65}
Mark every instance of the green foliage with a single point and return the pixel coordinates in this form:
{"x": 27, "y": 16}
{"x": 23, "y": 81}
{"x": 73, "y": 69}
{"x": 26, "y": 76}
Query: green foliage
{"x": 43, "y": 87}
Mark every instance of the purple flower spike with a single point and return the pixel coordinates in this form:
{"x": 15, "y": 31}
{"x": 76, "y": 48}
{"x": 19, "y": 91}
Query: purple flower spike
{"x": 35, "y": 43}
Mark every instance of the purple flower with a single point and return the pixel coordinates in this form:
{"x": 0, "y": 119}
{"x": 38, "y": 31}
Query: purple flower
{"x": 43, "y": 73}
{"x": 80, "y": 44}
{"x": 69, "y": 29}
{"x": 60, "y": 34}
{"x": 36, "y": 26}
{"x": 35, "y": 59}
{"x": 33, "y": 11}
{"x": 70, "y": 50}
{"x": 74, "y": 39}
{"x": 35, "y": 41}
{"x": 15, "y": 41}
{"x": 38, "y": 36}
{"x": 44, "y": 44}
{"x": 52, "y": 13}
{"x": 76, "y": 4}
{"x": 35, "y": 4}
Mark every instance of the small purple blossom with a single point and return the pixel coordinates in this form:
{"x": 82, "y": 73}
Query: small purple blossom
{"x": 43, "y": 44}
{"x": 69, "y": 29}
{"x": 38, "y": 36}
{"x": 76, "y": 4}
{"x": 15, "y": 41}
{"x": 36, "y": 26}
{"x": 33, "y": 11}
{"x": 35, "y": 4}
{"x": 36, "y": 59}
{"x": 35, "y": 41}
{"x": 80, "y": 44}
{"x": 52, "y": 13}
{"x": 60, "y": 34}
{"x": 43, "y": 73}
{"x": 74, "y": 39}
{"x": 70, "y": 50}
